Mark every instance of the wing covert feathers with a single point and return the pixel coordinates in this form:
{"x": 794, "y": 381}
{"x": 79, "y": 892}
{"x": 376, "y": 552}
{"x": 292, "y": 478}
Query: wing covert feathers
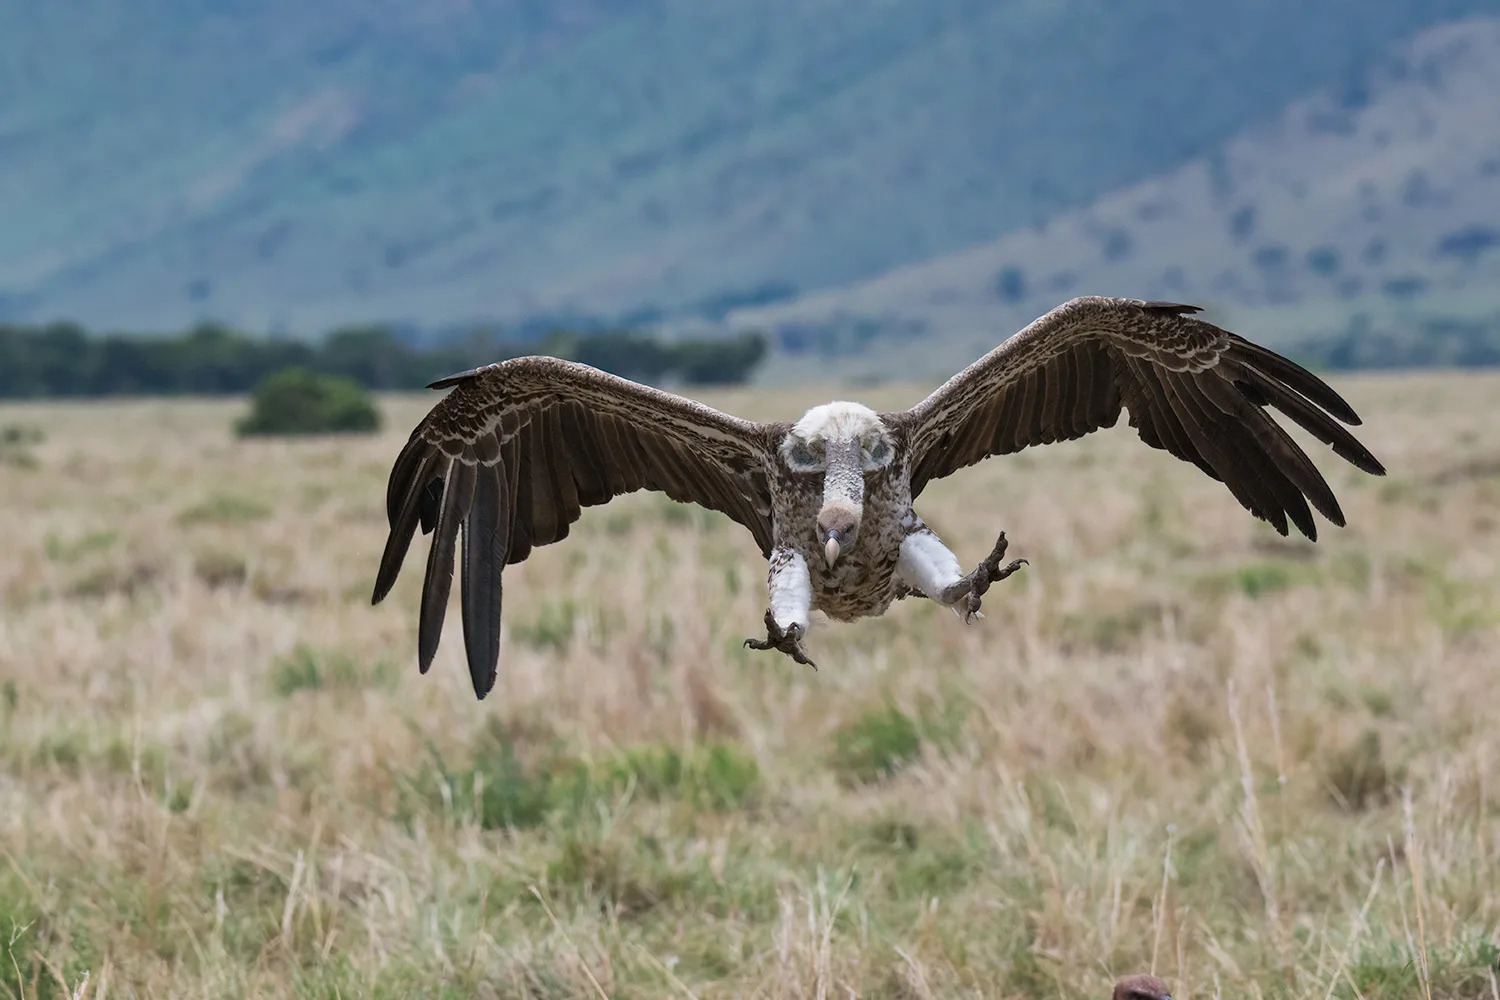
{"x": 507, "y": 460}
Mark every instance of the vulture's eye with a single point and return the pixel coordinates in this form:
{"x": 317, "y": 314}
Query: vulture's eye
{"x": 878, "y": 454}
{"x": 804, "y": 457}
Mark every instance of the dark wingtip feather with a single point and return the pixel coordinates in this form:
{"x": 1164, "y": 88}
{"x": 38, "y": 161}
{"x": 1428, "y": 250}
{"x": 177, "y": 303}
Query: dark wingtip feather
{"x": 1298, "y": 378}
{"x": 438, "y": 580}
{"x": 448, "y": 381}
{"x": 396, "y": 545}
{"x": 1301, "y": 515}
{"x": 430, "y": 502}
{"x": 1170, "y": 308}
{"x": 1265, "y": 390}
{"x": 403, "y": 501}
{"x": 483, "y": 560}
{"x": 386, "y": 579}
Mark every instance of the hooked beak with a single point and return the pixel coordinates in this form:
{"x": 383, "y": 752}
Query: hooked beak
{"x": 831, "y": 549}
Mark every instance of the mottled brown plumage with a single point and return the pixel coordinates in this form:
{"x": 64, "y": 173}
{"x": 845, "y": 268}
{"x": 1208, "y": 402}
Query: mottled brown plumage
{"x": 507, "y": 460}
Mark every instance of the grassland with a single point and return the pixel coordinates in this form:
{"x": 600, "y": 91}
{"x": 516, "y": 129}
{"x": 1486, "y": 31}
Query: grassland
{"x": 1176, "y": 742}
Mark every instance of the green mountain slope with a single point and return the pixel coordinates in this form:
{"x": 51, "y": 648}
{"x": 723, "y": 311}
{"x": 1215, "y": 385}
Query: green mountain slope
{"x": 290, "y": 165}
{"x": 1378, "y": 214}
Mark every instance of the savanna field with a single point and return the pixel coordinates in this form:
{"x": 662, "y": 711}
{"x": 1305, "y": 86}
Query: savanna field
{"x": 1177, "y": 742}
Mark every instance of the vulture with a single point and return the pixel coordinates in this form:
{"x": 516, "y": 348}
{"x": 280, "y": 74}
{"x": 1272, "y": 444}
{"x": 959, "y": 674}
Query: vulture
{"x": 510, "y": 456}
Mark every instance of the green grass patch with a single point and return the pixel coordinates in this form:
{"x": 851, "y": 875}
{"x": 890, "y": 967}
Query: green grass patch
{"x": 630, "y": 880}
{"x": 718, "y": 777}
{"x": 916, "y": 863}
{"x": 552, "y": 629}
{"x": 1111, "y": 631}
{"x": 1462, "y": 970}
{"x": 876, "y": 745}
{"x": 500, "y": 789}
{"x": 127, "y": 581}
{"x": 73, "y": 752}
{"x": 309, "y": 669}
{"x": 1259, "y": 579}
{"x": 72, "y": 549}
{"x": 16, "y": 442}
{"x": 224, "y": 508}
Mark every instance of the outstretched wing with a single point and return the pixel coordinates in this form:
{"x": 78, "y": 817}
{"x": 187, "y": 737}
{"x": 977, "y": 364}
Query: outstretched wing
{"x": 1192, "y": 389}
{"x": 512, "y": 454}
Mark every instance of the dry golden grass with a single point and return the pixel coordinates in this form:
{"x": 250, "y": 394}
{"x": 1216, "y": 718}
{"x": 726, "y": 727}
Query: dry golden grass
{"x": 1177, "y": 742}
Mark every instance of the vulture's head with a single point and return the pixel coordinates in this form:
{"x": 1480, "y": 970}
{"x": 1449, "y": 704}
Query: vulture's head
{"x": 1141, "y": 987}
{"x": 839, "y": 442}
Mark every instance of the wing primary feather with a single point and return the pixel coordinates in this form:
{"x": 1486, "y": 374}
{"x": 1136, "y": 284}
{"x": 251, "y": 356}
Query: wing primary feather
{"x": 1145, "y": 423}
{"x": 541, "y": 475}
{"x": 579, "y": 431}
{"x": 516, "y": 465}
{"x": 1279, "y": 496}
{"x": 1238, "y": 471}
{"x": 564, "y": 490}
{"x": 439, "y": 577}
{"x": 429, "y": 502}
{"x": 1296, "y": 377}
{"x": 413, "y": 453}
{"x": 1151, "y": 394}
{"x": 480, "y": 584}
{"x": 403, "y": 517}
{"x": 1314, "y": 421}
{"x": 1274, "y": 440}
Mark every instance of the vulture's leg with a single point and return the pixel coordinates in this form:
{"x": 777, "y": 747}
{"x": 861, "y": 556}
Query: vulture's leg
{"x": 929, "y": 566}
{"x": 972, "y": 587}
{"x": 791, "y": 606}
{"x": 925, "y": 566}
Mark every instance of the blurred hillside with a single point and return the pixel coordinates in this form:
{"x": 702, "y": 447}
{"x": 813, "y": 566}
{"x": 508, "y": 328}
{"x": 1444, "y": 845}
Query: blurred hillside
{"x": 1357, "y": 228}
{"x": 297, "y": 167}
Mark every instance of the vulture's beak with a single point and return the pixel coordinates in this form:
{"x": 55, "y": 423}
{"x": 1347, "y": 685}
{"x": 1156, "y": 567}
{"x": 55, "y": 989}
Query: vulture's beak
{"x": 831, "y": 549}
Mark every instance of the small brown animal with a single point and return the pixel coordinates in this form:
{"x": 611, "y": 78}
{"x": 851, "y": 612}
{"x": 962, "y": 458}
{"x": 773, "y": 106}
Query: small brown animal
{"x": 1141, "y": 987}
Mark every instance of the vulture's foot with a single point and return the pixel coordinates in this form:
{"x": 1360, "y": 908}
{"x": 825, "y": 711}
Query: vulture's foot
{"x": 788, "y": 640}
{"x": 970, "y": 589}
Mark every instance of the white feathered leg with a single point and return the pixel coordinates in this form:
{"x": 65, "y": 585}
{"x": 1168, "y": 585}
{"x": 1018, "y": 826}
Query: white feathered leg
{"x": 930, "y": 567}
{"x": 790, "y": 607}
{"x": 927, "y": 565}
{"x": 790, "y": 588}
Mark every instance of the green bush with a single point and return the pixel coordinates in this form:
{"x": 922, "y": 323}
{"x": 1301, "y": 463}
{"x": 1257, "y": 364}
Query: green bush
{"x": 298, "y": 401}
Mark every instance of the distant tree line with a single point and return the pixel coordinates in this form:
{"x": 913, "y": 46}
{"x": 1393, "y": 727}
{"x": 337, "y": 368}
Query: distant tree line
{"x": 64, "y": 360}
{"x": 1430, "y": 342}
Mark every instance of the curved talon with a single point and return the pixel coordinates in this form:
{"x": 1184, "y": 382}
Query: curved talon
{"x": 785, "y": 640}
{"x": 971, "y": 589}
